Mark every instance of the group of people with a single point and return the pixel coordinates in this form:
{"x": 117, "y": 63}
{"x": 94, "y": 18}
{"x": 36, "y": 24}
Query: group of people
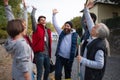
{"x": 94, "y": 46}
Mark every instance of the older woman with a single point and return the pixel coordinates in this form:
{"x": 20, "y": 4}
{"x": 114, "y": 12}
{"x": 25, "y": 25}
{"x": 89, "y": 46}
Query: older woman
{"x": 93, "y": 60}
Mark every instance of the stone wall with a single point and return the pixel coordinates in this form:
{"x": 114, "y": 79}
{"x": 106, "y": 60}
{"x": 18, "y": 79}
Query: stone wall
{"x": 114, "y": 41}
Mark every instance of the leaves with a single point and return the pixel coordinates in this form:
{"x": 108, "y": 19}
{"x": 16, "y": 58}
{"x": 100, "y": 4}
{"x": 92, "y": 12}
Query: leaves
{"x": 3, "y": 21}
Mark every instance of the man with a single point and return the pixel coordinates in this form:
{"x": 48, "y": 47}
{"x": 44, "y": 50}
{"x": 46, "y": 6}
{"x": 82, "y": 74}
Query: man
{"x": 93, "y": 60}
{"x": 66, "y": 48}
{"x": 41, "y": 43}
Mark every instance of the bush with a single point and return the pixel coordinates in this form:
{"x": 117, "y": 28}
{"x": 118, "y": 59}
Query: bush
{"x": 113, "y": 22}
{"x": 3, "y": 34}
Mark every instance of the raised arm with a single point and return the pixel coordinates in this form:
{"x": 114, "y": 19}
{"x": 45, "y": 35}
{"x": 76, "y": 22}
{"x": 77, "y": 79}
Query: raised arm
{"x": 34, "y": 24}
{"x": 8, "y": 11}
{"x": 58, "y": 29}
{"x": 25, "y": 16}
{"x": 83, "y": 24}
{"x": 88, "y": 18}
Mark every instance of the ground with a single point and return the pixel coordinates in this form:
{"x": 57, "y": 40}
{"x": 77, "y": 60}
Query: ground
{"x": 112, "y": 68}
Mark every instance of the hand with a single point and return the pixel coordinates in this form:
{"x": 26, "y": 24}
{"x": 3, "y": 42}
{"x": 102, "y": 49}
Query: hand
{"x": 90, "y": 4}
{"x": 27, "y": 76}
{"x": 79, "y": 58}
{"x": 24, "y": 4}
{"x": 34, "y": 7}
{"x": 55, "y": 11}
{"x": 6, "y": 2}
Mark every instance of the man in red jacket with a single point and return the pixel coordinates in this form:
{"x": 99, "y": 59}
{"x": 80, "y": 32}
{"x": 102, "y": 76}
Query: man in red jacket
{"x": 41, "y": 44}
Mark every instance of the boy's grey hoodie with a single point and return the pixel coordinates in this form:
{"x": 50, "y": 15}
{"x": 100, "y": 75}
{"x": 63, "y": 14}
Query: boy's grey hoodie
{"x": 22, "y": 56}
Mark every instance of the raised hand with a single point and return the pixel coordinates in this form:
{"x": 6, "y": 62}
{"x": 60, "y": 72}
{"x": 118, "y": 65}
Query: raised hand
{"x": 24, "y": 4}
{"x": 90, "y": 4}
{"x": 55, "y": 11}
{"x": 34, "y": 7}
{"x": 6, "y": 2}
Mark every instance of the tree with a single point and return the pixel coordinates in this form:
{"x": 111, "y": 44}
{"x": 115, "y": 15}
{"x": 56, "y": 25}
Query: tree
{"x": 77, "y": 25}
{"x": 50, "y": 26}
{"x": 3, "y": 21}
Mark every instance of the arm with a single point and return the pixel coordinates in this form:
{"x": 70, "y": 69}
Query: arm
{"x": 34, "y": 24}
{"x": 97, "y": 64}
{"x": 88, "y": 18}
{"x": 25, "y": 16}
{"x": 8, "y": 11}
{"x": 83, "y": 24}
{"x": 58, "y": 29}
{"x": 23, "y": 59}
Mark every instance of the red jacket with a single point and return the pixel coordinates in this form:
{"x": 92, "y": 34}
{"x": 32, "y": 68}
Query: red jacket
{"x": 38, "y": 39}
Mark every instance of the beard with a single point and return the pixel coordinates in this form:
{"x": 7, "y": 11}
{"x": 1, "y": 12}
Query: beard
{"x": 67, "y": 31}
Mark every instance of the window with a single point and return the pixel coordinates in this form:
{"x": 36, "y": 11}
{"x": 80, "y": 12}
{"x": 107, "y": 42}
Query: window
{"x": 115, "y": 14}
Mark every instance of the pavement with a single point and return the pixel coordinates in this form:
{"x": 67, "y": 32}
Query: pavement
{"x": 112, "y": 71}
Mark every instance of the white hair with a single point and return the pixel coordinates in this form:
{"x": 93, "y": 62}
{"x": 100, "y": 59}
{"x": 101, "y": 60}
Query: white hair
{"x": 103, "y": 32}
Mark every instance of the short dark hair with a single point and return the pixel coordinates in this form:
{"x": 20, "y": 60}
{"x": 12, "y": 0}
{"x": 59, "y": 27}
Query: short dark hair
{"x": 15, "y": 27}
{"x": 41, "y": 17}
{"x": 93, "y": 16}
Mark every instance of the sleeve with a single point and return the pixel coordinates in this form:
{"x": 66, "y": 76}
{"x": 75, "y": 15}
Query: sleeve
{"x": 98, "y": 63}
{"x": 22, "y": 58}
{"x": 9, "y": 13}
{"x": 89, "y": 20}
{"x": 25, "y": 16}
{"x": 34, "y": 24}
{"x": 83, "y": 23}
{"x": 57, "y": 28}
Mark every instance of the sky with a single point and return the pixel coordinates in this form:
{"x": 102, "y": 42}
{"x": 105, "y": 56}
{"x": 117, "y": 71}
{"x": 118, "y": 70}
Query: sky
{"x": 67, "y": 9}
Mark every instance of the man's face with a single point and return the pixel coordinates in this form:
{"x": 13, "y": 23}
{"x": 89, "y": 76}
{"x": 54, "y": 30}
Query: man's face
{"x": 94, "y": 31}
{"x": 42, "y": 21}
{"x": 67, "y": 28}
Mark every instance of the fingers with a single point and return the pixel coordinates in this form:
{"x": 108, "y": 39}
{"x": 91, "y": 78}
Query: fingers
{"x": 34, "y": 7}
{"x": 5, "y": 2}
{"x": 55, "y": 11}
{"x": 24, "y": 4}
{"x": 79, "y": 58}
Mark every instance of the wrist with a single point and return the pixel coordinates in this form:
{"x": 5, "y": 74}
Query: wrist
{"x": 5, "y": 3}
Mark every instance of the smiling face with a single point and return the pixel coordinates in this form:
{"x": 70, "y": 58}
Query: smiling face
{"x": 42, "y": 21}
{"x": 67, "y": 28}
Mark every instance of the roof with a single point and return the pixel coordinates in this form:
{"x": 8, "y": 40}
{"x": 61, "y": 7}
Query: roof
{"x": 106, "y": 2}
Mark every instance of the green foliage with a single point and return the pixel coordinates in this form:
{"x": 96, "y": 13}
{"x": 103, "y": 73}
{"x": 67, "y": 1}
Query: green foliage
{"x": 29, "y": 31}
{"x": 113, "y": 22}
{"x": 77, "y": 25}
{"x": 50, "y": 26}
{"x": 3, "y": 34}
{"x": 3, "y": 21}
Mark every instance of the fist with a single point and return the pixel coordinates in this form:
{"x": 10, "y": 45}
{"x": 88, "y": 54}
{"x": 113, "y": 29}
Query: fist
{"x": 55, "y": 11}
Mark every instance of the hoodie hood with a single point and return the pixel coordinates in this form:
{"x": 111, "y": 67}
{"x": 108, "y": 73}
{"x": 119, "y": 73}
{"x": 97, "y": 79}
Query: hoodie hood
{"x": 10, "y": 45}
{"x": 73, "y": 30}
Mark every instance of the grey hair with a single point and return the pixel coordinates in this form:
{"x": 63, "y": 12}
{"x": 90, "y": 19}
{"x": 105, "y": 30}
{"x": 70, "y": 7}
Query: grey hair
{"x": 108, "y": 47}
{"x": 103, "y": 31}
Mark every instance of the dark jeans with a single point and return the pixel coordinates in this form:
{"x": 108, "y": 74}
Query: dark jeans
{"x": 42, "y": 60}
{"x": 60, "y": 63}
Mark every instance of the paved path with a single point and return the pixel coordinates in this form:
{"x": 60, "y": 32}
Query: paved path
{"x": 112, "y": 67}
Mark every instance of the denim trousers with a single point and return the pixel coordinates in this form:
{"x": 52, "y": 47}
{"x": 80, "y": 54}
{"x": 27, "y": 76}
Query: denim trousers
{"x": 60, "y": 63}
{"x": 42, "y": 60}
